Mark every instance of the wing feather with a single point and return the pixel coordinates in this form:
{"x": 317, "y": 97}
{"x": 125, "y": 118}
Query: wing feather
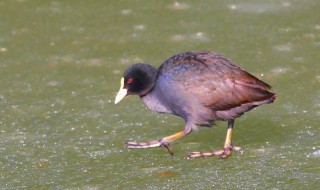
{"x": 213, "y": 80}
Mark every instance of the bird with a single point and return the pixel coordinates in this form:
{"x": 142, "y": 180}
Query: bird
{"x": 200, "y": 87}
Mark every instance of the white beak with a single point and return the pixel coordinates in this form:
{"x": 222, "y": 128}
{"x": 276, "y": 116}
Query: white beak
{"x": 122, "y": 92}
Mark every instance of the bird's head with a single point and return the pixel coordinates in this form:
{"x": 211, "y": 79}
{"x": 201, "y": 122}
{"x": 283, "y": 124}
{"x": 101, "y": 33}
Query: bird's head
{"x": 138, "y": 79}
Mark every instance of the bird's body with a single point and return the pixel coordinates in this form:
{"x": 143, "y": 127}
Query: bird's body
{"x": 201, "y": 87}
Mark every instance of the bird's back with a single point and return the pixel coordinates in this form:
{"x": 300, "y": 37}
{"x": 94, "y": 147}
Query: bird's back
{"x": 210, "y": 87}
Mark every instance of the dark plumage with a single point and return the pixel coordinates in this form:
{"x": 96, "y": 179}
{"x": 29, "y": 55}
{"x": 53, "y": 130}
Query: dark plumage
{"x": 201, "y": 87}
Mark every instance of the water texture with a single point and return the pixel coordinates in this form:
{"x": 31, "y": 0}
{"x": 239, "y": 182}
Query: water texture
{"x": 60, "y": 68}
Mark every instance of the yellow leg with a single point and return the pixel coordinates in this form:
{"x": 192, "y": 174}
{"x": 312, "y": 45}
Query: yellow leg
{"x": 174, "y": 137}
{"x": 165, "y": 141}
{"x": 228, "y": 140}
{"x": 225, "y": 152}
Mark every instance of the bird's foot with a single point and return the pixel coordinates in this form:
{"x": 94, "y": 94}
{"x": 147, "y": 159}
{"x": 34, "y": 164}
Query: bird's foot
{"x": 150, "y": 144}
{"x": 223, "y": 154}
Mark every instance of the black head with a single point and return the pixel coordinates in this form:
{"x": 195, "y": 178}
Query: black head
{"x": 138, "y": 79}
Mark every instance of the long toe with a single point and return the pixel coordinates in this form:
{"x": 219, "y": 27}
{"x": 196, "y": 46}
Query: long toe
{"x": 150, "y": 144}
{"x": 223, "y": 153}
{"x": 238, "y": 149}
{"x": 192, "y": 155}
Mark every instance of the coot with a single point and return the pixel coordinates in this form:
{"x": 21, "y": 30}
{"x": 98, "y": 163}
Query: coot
{"x": 199, "y": 86}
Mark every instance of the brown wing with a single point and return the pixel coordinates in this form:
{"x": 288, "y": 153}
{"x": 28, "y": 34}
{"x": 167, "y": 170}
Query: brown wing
{"x": 215, "y": 81}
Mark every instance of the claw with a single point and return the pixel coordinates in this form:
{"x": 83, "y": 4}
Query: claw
{"x": 168, "y": 147}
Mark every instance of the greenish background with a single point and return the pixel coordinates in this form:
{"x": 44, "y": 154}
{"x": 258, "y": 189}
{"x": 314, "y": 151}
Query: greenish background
{"x": 60, "y": 67}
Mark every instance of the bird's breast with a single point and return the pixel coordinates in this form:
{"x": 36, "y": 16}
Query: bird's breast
{"x": 153, "y": 103}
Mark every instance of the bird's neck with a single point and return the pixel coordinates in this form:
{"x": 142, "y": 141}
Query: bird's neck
{"x": 153, "y": 103}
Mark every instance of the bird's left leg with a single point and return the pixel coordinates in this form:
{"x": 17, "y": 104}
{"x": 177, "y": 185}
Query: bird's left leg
{"x": 164, "y": 142}
{"x": 223, "y": 153}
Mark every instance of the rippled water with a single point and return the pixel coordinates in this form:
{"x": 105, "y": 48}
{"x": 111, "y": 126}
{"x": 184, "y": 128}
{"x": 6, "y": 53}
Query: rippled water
{"x": 60, "y": 68}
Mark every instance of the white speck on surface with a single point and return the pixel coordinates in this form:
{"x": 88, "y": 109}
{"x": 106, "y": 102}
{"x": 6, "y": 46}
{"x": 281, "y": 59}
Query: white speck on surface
{"x": 232, "y": 7}
{"x": 179, "y": 6}
{"x": 130, "y": 60}
{"x": 53, "y": 83}
{"x": 201, "y": 36}
{"x": 283, "y": 47}
{"x": 3, "y": 49}
{"x": 316, "y": 154}
{"x": 286, "y": 4}
{"x": 126, "y": 11}
{"x": 178, "y": 37}
{"x": 139, "y": 27}
{"x": 280, "y": 70}
{"x": 298, "y": 59}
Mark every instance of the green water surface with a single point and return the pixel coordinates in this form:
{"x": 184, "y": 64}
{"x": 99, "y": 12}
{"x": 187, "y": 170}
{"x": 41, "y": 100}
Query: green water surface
{"x": 60, "y": 68}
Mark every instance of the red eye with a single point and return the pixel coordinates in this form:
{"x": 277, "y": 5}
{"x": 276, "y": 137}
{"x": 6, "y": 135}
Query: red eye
{"x": 130, "y": 81}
